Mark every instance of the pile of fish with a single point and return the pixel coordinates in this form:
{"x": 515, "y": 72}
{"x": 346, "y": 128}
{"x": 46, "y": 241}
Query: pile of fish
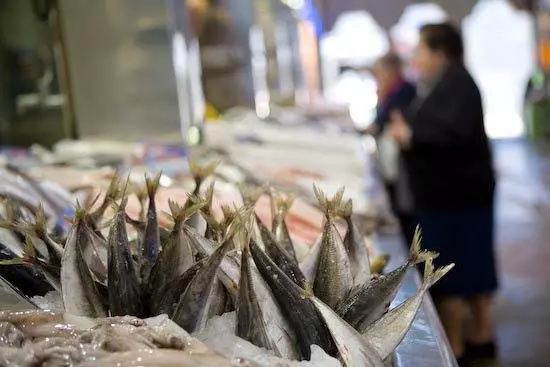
{"x": 205, "y": 266}
{"x": 40, "y": 338}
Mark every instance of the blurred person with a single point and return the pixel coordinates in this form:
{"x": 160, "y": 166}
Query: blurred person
{"x": 448, "y": 159}
{"x": 394, "y": 94}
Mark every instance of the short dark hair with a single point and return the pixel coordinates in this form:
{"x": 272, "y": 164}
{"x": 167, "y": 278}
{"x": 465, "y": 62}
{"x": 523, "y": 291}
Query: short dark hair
{"x": 444, "y": 37}
{"x": 391, "y": 60}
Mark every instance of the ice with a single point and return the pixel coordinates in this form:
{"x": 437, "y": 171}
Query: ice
{"x": 50, "y": 301}
{"x": 219, "y": 335}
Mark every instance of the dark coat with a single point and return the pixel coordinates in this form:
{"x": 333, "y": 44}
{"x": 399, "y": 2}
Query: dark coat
{"x": 449, "y": 161}
{"x": 399, "y": 99}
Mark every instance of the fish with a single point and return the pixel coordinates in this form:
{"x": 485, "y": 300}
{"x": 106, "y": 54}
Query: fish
{"x": 176, "y": 255}
{"x": 333, "y": 279}
{"x": 388, "y": 331}
{"x": 95, "y": 251}
{"x": 251, "y": 323}
{"x": 353, "y": 349}
{"x": 113, "y": 193}
{"x": 280, "y": 207}
{"x": 368, "y": 302}
{"x": 356, "y": 247}
{"x": 300, "y": 312}
{"x": 150, "y": 244}
{"x": 80, "y": 294}
{"x": 310, "y": 263}
{"x": 165, "y": 299}
{"x": 191, "y": 312}
{"x": 288, "y": 264}
{"x": 125, "y": 294}
{"x": 200, "y": 174}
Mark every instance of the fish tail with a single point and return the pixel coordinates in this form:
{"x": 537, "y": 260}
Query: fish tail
{"x": 346, "y": 209}
{"x": 330, "y": 207}
{"x": 250, "y": 193}
{"x": 29, "y": 252}
{"x": 284, "y": 204}
{"x": 181, "y": 213}
{"x": 430, "y": 276}
{"x": 40, "y": 220}
{"x": 201, "y": 172}
{"x": 417, "y": 255}
{"x": 152, "y": 186}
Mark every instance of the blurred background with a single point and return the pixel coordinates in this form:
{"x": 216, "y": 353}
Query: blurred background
{"x": 100, "y": 79}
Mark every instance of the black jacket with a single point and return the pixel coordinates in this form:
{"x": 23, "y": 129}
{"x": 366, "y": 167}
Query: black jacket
{"x": 449, "y": 160}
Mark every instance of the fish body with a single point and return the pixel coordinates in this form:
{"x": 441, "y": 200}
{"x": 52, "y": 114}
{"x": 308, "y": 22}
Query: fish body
{"x": 125, "y": 295}
{"x": 306, "y": 321}
{"x": 310, "y": 263}
{"x": 80, "y": 295}
{"x": 353, "y": 349}
{"x": 333, "y": 279}
{"x": 279, "y": 210}
{"x": 388, "y": 331}
{"x": 165, "y": 299}
{"x": 356, "y": 247}
{"x": 288, "y": 264}
{"x": 176, "y": 255}
{"x": 191, "y": 312}
{"x": 151, "y": 239}
{"x": 369, "y": 301}
{"x": 251, "y": 323}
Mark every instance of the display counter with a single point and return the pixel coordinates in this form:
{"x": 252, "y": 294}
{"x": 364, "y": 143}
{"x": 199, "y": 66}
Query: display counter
{"x": 425, "y": 344}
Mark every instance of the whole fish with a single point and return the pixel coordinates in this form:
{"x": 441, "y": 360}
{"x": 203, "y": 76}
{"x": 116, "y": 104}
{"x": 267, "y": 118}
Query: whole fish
{"x": 177, "y": 254}
{"x": 150, "y": 244}
{"x": 191, "y": 312}
{"x": 333, "y": 279}
{"x": 354, "y": 350}
{"x": 368, "y": 302}
{"x": 388, "y": 331}
{"x": 125, "y": 295}
{"x": 80, "y": 294}
{"x": 280, "y": 208}
{"x": 306, "y": 321}
{"x": 287, "y": 263}
{"x": 356, "y": 247}
{"x": 251, "y": 323}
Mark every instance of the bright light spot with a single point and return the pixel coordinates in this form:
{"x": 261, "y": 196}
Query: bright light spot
{"x": 263, "y": 109}
{"x": 294, "y": 4}
{"x": 193, "y": 135}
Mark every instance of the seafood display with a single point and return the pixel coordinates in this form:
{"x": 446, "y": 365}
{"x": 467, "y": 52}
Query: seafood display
{"x": 201, "y": 265}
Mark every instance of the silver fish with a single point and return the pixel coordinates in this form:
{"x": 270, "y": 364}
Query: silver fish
{"x": 388, "y": 331}
{"x": 310, "y": 263}
{"x": 368, "y": 302}
{"x": 357, "y": 249}
{"x": 151, "y": 239}
{"x": 279, "y": 210}
{"x": 177, "y": 253}
{"x": 333, "y": 279}
{"x": 298, "y": 309}
{"x": 80, "y": 295}
{"x": 191, "y": 312}
{"x": 287, "y": 263}
{"x": 352, "y": 347}
{"x": 125, "y": 295}
{"x": 251, "y": 324}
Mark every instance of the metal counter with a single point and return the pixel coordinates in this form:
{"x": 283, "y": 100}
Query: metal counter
{"x": 425, "y": 344}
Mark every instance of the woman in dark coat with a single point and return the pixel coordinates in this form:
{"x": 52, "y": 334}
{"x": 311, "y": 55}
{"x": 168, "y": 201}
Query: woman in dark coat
{"x": 448, "y": 160}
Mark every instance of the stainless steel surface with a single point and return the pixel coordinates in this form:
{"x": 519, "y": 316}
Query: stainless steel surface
{"x": 425, "y": 344}
{"x": 122, "y": 70}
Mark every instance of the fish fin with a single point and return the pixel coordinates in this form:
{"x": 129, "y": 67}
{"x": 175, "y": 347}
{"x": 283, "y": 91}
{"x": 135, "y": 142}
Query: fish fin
{"x": 152, "y": 185}
{"x": 29, "y": 251}
{"x": 330, "y": 207}
{"x": 250, "y": 193}
{"x": 180, "y": 213}
{"x": 417, "y": 255}
{"x": 201, "y": 172}
{"x": 430, "y": 276}
{"x": 346, "y": 209}
{"x": 284, "y": 204}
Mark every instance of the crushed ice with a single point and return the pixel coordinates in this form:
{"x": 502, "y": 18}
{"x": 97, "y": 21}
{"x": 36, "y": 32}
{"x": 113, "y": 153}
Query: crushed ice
{"x": 219, "y": 335}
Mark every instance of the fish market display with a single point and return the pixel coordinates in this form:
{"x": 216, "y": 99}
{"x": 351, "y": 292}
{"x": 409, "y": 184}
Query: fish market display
{"x": 200, "y": 266}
